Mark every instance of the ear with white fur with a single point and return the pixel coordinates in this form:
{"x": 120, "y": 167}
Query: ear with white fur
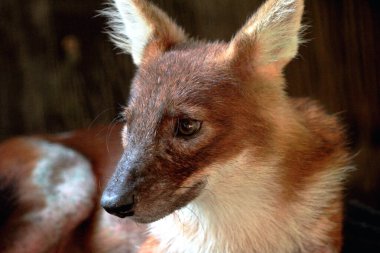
{"x": 270, "y": 38}
{"x": 141, "y": 29}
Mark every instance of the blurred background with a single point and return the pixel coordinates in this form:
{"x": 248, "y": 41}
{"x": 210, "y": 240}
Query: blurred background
{"x": 58, "y": 72}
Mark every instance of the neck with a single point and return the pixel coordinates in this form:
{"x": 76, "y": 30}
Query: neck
{"x": 241, "y": 209}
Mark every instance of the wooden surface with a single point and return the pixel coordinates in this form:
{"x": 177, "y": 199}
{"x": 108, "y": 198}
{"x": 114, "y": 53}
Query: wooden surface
{"x": 59, "y": 72}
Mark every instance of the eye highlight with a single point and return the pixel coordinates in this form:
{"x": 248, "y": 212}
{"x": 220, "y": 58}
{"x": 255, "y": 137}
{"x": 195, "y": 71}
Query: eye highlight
{"x": 187, "y": 127}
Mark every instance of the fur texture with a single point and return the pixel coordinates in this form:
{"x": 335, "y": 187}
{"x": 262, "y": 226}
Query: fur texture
{"x": 262, "y": 172}
{"x": 136, "y": 24}
{"x": 50, "y": 206}
{"x": 256, "y": 177}
{"x": 234, "y": 216}
{"x": 272, "y": 34}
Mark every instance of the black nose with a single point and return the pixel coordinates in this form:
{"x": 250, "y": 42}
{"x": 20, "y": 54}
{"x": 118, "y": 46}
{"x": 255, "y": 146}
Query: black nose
{"x": 121, "y": 206}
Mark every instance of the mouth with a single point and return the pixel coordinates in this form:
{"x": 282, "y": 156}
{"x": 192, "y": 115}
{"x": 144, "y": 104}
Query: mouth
{"x": 124, "y": 214}
{"x": 153, "y": 212}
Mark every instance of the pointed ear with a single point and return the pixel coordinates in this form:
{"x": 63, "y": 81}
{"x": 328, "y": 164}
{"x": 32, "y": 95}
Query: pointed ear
{"x": 141, "y": 29}
{"x": 270, "y": 38}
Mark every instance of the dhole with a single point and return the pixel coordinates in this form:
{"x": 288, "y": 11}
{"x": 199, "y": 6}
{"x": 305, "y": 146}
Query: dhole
{"x": 215, "y": 156}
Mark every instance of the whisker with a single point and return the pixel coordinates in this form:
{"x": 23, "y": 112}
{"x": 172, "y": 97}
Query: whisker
{"x": 97, "y": 117}
{"x": 180, "y": 221}
{"x": 197, "y": 217}
{"x": 110, "y": 129}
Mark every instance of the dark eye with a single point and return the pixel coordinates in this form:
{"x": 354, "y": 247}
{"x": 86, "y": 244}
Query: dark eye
{"x": 187, "y": 127}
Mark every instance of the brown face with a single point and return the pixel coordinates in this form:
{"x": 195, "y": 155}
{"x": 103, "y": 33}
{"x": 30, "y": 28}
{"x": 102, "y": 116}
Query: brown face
{"x": 184, "y": 114}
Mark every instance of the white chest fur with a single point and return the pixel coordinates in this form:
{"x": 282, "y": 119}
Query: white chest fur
{"x": 241, "y": 211}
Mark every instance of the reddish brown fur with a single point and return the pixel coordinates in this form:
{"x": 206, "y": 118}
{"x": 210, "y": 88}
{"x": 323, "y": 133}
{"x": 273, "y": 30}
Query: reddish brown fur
{"x": 324, "y": 144}
{"x": 18, "y": 158}
{"x": 93, "y": 143}
{"x": 238, "y": 94}
{"x": 186, "y": 82}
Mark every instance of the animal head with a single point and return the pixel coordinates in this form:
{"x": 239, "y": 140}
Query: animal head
{"x": 194, "y": 104}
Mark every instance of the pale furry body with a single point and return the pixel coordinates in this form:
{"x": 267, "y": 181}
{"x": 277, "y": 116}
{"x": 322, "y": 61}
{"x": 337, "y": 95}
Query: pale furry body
{"x": 51, "y": 197}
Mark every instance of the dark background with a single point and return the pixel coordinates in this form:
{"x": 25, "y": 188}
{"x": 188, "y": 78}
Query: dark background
{"x": 58, "y": 71}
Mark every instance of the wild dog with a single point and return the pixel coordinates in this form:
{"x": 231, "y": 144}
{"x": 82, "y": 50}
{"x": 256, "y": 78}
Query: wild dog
{"x": 216, "y": 157}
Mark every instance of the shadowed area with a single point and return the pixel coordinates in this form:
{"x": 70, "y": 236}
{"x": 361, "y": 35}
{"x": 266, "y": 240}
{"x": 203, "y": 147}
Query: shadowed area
{"x": 8, "y": 200}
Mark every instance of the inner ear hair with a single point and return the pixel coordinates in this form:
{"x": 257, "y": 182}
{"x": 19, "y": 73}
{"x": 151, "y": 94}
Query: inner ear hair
{"x": 270, "y": 37}
{"x": 141, "y": 29}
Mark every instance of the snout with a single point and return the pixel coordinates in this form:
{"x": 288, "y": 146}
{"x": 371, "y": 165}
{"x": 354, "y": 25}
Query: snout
{"x": 121, "y": 205}
{"x": 119, "y": 196}
{"x": 142, "y": 193}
